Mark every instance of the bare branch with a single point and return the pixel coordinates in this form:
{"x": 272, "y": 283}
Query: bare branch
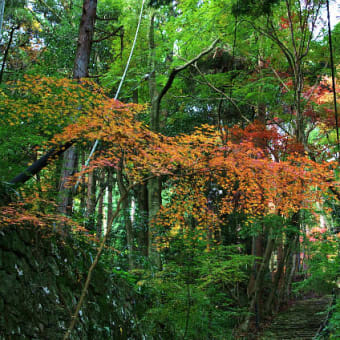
{"x": 279, "y": 78}
{"x": 40, "y": 163}
{"x": 291, "y": 27}
{"x": 108, "y": 36}
{"x": 183, "y": 67}
{"x": 105, "y": 19}
{"x": 220, "y": 92}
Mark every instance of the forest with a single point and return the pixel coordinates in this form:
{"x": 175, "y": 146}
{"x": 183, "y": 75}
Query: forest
{"x": 169, "y": 169}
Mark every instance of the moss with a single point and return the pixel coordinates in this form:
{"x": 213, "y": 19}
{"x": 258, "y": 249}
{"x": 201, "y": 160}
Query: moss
{"x": 41, "y": 281}
{"x": 9, "y": 260}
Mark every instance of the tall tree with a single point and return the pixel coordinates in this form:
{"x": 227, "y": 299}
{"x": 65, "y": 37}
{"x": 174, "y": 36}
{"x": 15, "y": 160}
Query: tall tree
{"x": 155, "y": 185}
{"x": 80, "y": 70}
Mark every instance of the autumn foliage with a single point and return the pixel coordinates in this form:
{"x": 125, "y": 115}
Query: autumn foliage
{"x": 249, "y": 169}
{"x": 220, "y": 188}
{"x": 212, "y": 172}
{"x": 253, "y": 170}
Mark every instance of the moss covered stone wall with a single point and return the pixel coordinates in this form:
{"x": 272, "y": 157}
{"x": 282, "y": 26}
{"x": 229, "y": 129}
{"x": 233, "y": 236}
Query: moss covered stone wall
{"x": 41, "y": 276}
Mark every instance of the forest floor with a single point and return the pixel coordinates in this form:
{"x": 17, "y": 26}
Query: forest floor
{"x": 301, "y": 321}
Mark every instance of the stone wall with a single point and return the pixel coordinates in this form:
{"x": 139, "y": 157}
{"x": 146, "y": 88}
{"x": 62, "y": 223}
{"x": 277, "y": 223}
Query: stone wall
{"x": 41, "y": 276}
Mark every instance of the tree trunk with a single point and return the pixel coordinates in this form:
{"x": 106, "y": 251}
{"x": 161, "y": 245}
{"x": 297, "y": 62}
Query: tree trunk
{"x": 64, "y": 196}
{"x": 7, "y": 50}
{"x": 282, "y": 261}
{"x": 91, "y": 201}
{"x": 260, "y": 277}
{"x": 109, "y": 198}
{"x": 300, "y": 121}
{"x": 80, "y": 70}
{"x": 100, "y": 215}
{"x": 154, "y": 184}
{"x": 143, "y": 213}
{"x": 257, "y": 250}
{"x": 127, "y": 218}
{"x": 85, "y": 36}
{"x": 2, "y": 10}
{"x": 83, "y": 187}
{"x": 291, "y": 269}
{"x": 154, "y": 203}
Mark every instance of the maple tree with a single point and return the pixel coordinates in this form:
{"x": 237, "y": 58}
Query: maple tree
{"x": 242, "y": 176}
{"x": 249, "y": 179}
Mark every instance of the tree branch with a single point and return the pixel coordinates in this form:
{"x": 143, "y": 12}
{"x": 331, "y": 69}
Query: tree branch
{"x": 14, "y": 28}
{"x": 105, "y": 19}
{"x": 108, "y": 36}
{"x": 40, "y": 163}
{"x": 220, "y": 92}
{"x": 181, "y": 68}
